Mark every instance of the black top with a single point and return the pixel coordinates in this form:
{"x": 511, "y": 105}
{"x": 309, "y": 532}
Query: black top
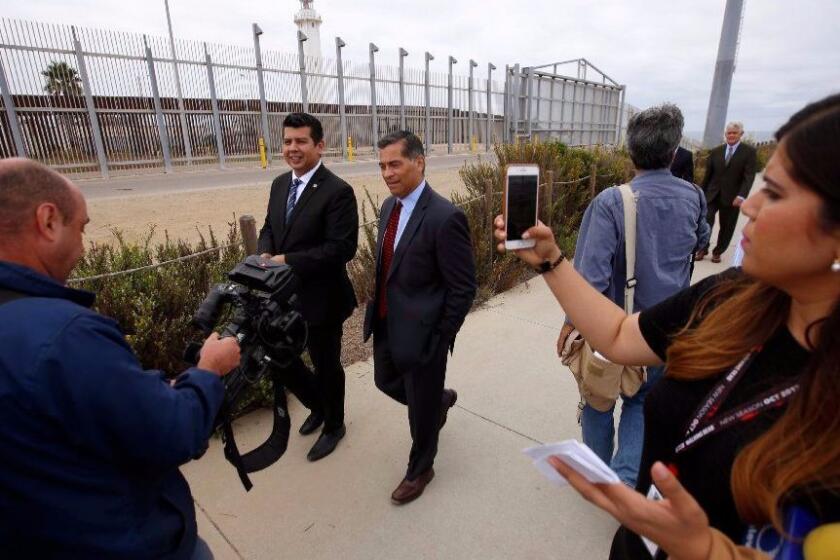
{"x": 705, "y": 469}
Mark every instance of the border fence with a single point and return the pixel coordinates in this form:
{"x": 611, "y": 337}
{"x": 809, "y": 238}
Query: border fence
{"x": 88, "y": 101}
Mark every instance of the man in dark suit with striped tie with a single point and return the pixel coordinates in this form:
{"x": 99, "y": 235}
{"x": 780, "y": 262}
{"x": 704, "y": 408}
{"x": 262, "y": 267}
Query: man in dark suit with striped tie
{"x": 312, "y": 225}
{"x": 425, "y": 285}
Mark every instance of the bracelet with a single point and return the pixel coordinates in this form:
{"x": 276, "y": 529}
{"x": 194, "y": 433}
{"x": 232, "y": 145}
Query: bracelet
{"x": 548, "y": 266}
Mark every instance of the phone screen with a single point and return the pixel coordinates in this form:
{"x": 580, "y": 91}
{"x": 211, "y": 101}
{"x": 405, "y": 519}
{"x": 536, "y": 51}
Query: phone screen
{"x": 521, "y": 205}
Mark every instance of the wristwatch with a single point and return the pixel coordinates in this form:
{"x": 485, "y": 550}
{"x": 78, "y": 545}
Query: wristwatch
{"x": 548, "y": 266}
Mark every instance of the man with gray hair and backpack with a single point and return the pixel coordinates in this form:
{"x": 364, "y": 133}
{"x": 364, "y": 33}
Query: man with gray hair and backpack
{"x": 643, "y": 265}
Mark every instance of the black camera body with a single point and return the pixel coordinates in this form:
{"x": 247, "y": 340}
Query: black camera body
{"x": 260, "y": 297}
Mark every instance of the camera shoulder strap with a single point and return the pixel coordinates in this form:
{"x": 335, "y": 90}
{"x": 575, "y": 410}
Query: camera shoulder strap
{"x": 271, "y": 449}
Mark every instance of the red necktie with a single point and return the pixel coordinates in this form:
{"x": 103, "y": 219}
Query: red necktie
{"x": 388, "y": 256}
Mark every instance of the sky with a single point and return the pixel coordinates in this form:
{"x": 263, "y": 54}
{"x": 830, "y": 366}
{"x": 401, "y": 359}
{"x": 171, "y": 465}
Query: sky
{"x": 789, "y": 52}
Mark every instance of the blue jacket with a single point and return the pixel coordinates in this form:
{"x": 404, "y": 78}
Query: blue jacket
{"x": 670, "y": 226}
{"x": 90, "y": 443}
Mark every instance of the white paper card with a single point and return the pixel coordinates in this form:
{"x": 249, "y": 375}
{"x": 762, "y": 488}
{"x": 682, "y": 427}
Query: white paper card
{"x": 575, "y": 454}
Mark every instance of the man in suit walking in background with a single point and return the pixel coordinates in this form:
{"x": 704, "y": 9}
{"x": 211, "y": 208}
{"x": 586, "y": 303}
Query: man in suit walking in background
{"x": 312, "y": 225}
{"x": 683, "y": 165}
{"x": 425, "y": 285}
{"x": 730, "y": 172}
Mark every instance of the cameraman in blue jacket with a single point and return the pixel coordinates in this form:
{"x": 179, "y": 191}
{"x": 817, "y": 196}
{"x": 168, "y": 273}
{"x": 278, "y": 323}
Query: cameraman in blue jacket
{"x": 90, "y": 443}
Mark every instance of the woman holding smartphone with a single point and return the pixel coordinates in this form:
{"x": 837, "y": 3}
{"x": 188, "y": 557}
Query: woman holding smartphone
{"x": 742, "y": 436}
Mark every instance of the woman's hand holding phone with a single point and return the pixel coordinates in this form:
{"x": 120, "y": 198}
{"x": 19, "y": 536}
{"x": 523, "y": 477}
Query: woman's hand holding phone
{"x": 545, "y": 248}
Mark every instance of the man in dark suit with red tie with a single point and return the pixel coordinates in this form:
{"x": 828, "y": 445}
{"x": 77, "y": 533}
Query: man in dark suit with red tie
{"x": 312, "y": 225}
{"x": 730, "y": 172}
{"x": 425, "y": 286}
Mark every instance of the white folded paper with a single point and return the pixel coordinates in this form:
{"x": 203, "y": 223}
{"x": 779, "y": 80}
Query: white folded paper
{"x": 575, "y": 454}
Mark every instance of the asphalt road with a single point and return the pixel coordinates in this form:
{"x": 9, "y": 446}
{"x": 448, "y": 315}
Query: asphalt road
{"x": 211, "y": 179}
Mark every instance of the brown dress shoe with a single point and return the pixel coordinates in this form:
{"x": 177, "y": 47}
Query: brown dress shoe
{"x": 410, "y": 490}
{"x": 700, "y": 255}
{"x": 715, "y": 258}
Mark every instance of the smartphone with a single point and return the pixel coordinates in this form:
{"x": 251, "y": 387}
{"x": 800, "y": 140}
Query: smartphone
{"x": 521, "y": 196}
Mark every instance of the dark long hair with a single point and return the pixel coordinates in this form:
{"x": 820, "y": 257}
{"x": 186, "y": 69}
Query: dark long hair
{"x": 799, "y": 453}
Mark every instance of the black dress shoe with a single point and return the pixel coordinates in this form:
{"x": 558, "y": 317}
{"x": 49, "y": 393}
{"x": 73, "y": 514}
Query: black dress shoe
{"x": 326, "y": 444}
{"x": 312, "y": 423}
{"x": 447, "y": 401}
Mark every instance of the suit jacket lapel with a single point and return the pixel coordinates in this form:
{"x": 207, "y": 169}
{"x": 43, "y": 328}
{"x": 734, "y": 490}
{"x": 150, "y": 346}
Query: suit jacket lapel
{"x": 283, "y": 195}
{"x": 417, "y": 216}
{"x": 308, "y": 192}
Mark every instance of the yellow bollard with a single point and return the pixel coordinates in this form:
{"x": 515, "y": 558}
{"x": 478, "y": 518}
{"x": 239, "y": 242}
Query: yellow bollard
{"x": 473, "y": 144}
{"x": 350, "y": 148}
{"x": 263, "y": 160}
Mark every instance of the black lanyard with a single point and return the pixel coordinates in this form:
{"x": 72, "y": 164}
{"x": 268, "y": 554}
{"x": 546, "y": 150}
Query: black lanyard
{"x": 703, "y": 423}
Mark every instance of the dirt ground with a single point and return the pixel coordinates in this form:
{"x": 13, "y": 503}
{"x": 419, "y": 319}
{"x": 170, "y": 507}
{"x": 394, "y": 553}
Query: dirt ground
{"x": 183, "y": 215}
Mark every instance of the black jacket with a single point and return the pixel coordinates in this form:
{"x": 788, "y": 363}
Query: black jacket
{"x": 318, "y": 242}
{"x": 431, "y": 283}
{"x": 729, "y": 181}
{"x": 683, "y": 165}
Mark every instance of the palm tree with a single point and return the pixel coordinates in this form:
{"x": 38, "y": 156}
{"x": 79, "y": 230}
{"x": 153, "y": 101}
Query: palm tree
{"x": 62, "y": 79}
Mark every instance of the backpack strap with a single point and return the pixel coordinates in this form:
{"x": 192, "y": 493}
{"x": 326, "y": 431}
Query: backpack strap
{"x": 628, "y": 200}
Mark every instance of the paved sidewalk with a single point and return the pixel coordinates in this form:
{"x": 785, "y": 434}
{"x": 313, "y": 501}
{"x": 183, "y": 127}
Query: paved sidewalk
{"x": 486, "y": 500}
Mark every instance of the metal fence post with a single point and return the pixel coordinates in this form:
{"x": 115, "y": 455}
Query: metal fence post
{"x": 450, "y": 129}
{"x": 301, "y": 37}
{"x": 619, "y": 129}
{"x": 342, "y": 110}
{"x": 505, "y": 106}
{"x": 214, "y": 103}
{"x": 8, "y": 102}
{"x": 473, "y": 64}
{"x": 266, "y": 131}
{"x": 403, "y": 54}
{"x": 428, "y": 133}
{"x": 182, "y": 114}
{"x": 490, "y": 116}
{"x": 374, "y": 123}
{"x": 161, "y": 122}
{"x": 529, "y": 90}
{"x": 551, "y": 103}
{"x": 516, "y": 90}
{"x": 94, "y": 120}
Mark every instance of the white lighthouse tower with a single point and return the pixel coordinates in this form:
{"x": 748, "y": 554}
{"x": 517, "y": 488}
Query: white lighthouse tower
{"x": 308, "y": 21}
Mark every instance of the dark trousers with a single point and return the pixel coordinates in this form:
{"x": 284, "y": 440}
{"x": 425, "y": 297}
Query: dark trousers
{"x": 420, "y": 388}
{"x": 323, "y": 390}
{"x": 728, "y": 220}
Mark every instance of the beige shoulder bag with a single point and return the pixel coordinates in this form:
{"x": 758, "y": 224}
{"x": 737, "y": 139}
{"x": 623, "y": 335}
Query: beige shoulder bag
{"x": 599, "y": 380}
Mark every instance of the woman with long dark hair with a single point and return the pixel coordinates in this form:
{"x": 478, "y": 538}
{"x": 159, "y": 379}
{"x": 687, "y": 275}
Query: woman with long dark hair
{"x": 742, "y": 437}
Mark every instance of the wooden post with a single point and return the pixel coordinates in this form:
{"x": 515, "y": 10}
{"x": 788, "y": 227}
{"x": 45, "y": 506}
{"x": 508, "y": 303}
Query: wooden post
{"x": 248, "y": 225}
{"x": 593, "y": 178}
{"x": 488, "y": 195}
{"x": 549, "y": 196}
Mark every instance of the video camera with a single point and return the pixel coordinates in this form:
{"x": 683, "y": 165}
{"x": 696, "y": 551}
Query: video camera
{"x": 271, "y": 333}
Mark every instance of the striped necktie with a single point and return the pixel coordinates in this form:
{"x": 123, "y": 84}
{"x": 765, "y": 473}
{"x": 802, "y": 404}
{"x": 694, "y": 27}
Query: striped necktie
{"x": 292, "y": 200}
{"x": 729, "y": 151}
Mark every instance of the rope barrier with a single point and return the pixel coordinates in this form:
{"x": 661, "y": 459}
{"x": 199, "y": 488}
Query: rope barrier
{"x": 148, "y": 267}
